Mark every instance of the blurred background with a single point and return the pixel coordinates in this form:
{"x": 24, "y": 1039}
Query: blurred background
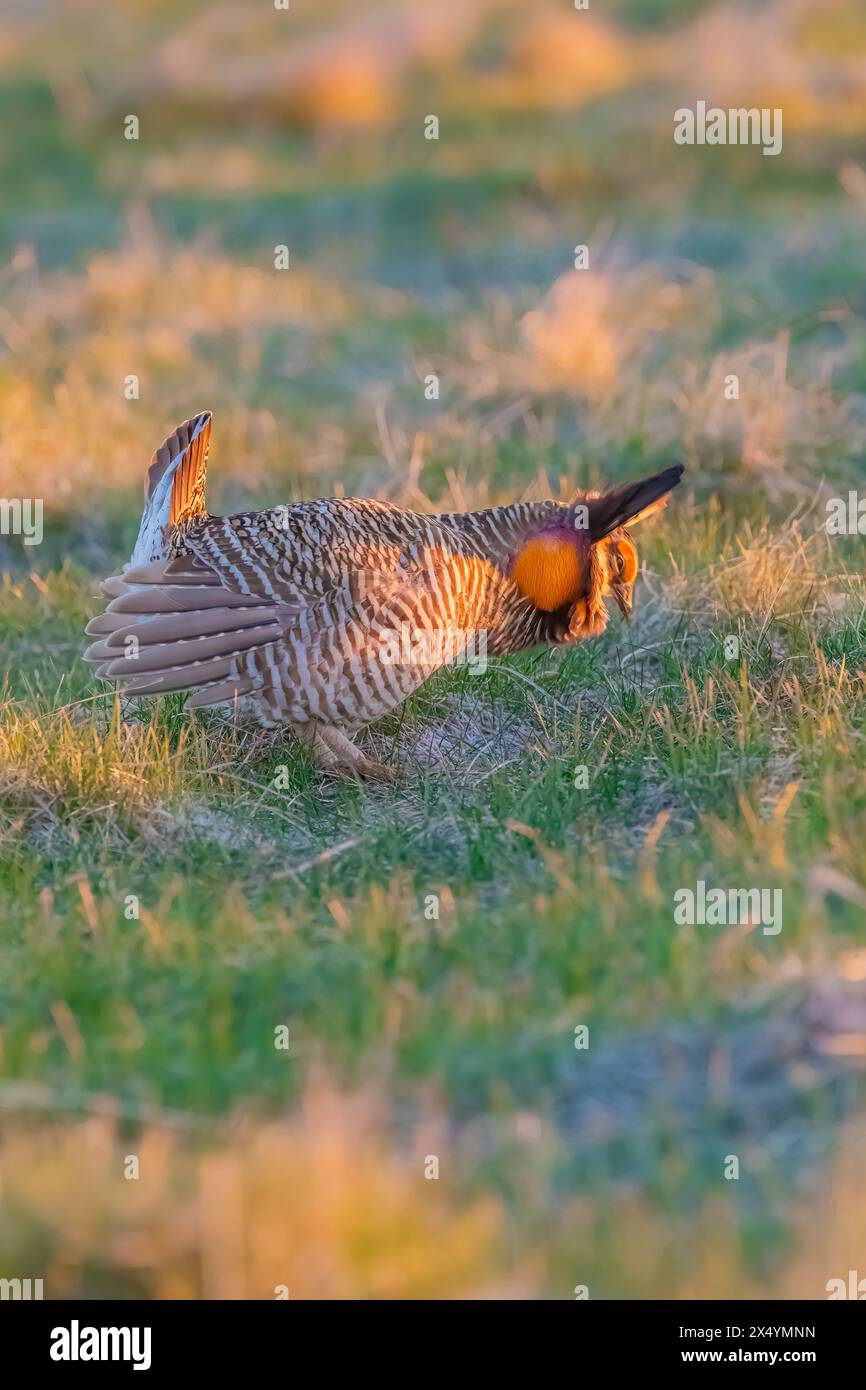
{"x": 409, "y": 259}
{"x": 306, "y": 128}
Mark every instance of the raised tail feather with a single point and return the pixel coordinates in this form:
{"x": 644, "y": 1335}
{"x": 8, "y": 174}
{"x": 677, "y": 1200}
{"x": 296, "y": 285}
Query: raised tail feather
{"x": 171, "y": 625}
{"x": 174, "y": 488}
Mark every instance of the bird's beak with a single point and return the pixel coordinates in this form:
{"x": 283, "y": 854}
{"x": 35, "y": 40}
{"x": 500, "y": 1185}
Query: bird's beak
{"x": 623, "y": 595}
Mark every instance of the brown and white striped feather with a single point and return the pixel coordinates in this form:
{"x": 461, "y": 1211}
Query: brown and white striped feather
{"x": 293, "y": 607}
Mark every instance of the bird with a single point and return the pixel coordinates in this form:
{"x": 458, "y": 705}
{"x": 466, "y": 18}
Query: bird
{"x": 325, "y": 615}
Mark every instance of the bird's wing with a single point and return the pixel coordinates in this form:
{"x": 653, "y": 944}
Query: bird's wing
{"x": 173, "y": 625}
{"x": 300, "y": 553}
{"x": 370, "y": 641}
{"x": 351, "y": 657}
{"x": 229, "y": 584}
{"x": 336, "y": 641}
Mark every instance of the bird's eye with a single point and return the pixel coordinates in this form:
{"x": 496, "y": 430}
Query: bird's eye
{"x": 628, "y": 562}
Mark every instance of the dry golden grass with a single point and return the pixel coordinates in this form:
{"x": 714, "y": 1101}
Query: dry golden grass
{"x": 344, "y": 71}
{"x": 770, "y": 418}
{"x": 144, "y": 310}
{"x": 595, "y": 328}
{"x": 325, "y": 1206}
{"x": 322, "y": 1206}
{"x": 808, "y": 60}
{"x": 302, "y": 896}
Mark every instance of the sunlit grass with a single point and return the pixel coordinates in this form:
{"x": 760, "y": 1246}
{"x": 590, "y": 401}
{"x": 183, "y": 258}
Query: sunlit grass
{"x": 173, "y": 887}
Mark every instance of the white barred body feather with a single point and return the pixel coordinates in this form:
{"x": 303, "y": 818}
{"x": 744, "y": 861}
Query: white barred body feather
{"x": 293, "y": 611}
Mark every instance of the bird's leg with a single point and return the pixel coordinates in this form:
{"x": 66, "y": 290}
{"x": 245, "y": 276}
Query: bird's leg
{"x": 331, "y": 748}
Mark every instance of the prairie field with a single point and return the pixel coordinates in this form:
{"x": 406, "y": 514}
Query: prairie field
{"x": 447, "y": 1038}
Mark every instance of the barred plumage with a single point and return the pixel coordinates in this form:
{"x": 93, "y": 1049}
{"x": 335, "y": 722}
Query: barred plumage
{"x": 326, "y": 615}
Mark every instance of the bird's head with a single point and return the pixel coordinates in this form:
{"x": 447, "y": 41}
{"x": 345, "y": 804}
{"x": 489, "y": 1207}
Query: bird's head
{"x": 588, "y": 553}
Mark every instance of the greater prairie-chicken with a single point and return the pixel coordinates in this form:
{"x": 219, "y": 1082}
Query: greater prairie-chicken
{"x": 325, "y": 615}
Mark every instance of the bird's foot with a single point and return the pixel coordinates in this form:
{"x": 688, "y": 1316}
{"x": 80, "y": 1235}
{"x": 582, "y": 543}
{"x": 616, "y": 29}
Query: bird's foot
{"x": 332, "y": 749}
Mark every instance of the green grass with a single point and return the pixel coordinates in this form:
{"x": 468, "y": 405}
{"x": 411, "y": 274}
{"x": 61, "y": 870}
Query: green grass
{"x": 433, "y": 947}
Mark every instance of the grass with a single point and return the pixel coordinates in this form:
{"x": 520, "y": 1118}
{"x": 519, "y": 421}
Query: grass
{"x": 175, "y": 889}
